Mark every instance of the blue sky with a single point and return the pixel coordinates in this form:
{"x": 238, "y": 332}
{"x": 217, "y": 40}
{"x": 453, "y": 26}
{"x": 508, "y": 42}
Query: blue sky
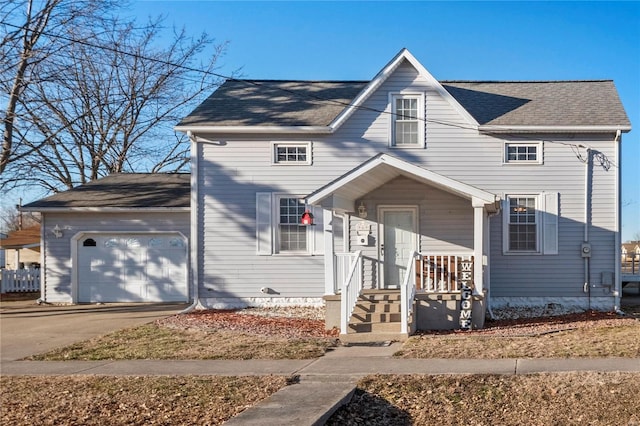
{"x": 453, "y": 40}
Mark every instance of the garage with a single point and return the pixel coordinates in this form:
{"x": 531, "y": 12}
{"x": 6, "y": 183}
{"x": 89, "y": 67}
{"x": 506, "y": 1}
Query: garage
{"x": 132, "y": 267}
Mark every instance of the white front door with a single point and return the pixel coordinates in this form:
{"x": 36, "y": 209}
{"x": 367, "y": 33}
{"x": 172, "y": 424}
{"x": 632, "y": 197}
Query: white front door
{"x": 398, "y": 240}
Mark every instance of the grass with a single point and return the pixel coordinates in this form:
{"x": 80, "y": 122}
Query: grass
{"x": 621, "y": 341}
{"x": 98, "y": 400}
{"x": 541, "y": 399}
{"x": 151, "y": 341}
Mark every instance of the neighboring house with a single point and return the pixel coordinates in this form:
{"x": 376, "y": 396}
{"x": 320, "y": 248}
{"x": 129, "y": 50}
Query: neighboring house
{"x": 2, "y": 252}
{"x": 630, "y": 250}
{"x": 123, "y": 238}
{"x": 22, "y": 248}
{"x": 448, "y": 197}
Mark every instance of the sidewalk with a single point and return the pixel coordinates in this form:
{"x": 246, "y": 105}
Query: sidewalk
{"x": 325, "y": 383}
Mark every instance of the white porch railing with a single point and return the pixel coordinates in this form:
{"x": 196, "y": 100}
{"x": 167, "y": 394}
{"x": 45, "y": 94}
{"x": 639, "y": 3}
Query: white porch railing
{"x": 351, "y": 285}
{"x": 21, "y": 280}
{"x": 408, "y": 293}
{"x": 441, "y": 273}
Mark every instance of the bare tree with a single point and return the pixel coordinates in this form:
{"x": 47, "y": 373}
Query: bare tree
{"x": 106, "y": 104}
{"x": 30, "y": 32}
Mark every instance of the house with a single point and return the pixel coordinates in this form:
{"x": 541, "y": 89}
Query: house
{"x": 22, "y": 247}
{"x": 401, "y": 202}
{"x": 630, "y": 250}
{"x": 19, "y": 271}
{"x": 122, "y": 238}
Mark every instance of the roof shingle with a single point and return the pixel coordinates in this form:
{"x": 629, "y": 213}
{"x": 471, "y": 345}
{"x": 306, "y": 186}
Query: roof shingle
{"x": 124, "y": 190}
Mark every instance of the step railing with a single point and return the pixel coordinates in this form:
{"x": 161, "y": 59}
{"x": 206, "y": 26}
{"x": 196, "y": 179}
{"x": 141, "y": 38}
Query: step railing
{"x": 351, "y": 288}
{"x": 408, "y": 293}
{"x": 442, "y": 273}
{"x": 20, "y": 281}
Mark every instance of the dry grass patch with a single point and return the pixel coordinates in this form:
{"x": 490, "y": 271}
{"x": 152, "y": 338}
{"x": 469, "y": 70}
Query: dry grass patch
{"x": 206, "y": 335}
{"x": 585, "y": 335}
{"x": 97, "y": 400}
{"x": 542, "y": 399}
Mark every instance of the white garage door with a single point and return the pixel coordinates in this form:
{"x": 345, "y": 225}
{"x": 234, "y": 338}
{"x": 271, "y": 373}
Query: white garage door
{"x": 132, "y": 268}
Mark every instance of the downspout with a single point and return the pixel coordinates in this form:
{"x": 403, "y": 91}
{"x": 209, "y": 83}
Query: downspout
{"x": 617, "y": 293}
{"x": 193, "y": 226}
{"x": 587, "y": 285}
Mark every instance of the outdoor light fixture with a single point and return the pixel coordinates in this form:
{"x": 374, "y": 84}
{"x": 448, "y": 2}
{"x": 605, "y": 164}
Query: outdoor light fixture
{"x": 306, "y": 219}
{"x": 57, "y": 231}
{"x": 362, "y": 210}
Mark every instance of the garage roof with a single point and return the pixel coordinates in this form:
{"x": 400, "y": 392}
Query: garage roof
{"x": 122, "y": 191}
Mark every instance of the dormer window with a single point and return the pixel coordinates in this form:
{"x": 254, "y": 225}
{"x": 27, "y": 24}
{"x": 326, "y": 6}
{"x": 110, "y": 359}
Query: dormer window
{"x": 407, "y": 112}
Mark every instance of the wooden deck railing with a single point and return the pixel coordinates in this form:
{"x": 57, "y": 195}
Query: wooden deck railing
{"x": 443, "y": 273}
{"x": 21, "y": 280}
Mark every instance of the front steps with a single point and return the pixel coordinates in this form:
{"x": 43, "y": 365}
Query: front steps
{"x": 376, "y": 318}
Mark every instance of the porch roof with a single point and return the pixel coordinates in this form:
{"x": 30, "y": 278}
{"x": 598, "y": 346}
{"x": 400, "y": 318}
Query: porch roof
{"x": 380, "y": 169}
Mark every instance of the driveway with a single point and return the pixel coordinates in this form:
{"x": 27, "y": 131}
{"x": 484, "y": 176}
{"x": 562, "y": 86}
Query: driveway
{"x": 27, "y": 328}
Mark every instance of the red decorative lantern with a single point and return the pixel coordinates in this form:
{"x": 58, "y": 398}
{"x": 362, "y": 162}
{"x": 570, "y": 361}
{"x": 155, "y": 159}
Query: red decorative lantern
{"x": 306, "y": 219}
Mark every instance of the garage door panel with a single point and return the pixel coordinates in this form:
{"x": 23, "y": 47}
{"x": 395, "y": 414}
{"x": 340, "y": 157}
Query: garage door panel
{"x": 133, "y": 268}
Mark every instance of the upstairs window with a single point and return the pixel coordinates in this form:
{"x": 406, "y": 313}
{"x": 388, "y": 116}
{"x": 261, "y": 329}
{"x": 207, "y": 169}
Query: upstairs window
{"x": 407, "y": 120}
{"x": 291, "y": 153}
{"x": 523, "y": 153}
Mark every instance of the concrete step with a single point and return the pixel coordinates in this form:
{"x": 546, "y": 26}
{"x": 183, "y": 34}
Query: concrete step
{"x": 373, "y": 337}
{"x": 379, "y": 317}
{"x": 369, "y": 308}
{"x": 380, "y": 296}
{"x": 374, "y": 327}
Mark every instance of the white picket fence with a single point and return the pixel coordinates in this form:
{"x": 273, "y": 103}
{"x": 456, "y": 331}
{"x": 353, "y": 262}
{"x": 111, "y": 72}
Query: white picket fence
{"x": 22, "y": 280}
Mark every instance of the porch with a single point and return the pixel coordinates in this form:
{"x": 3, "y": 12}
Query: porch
{"x": 20, "y": 280}
{"x": 437, "y": 293}
{"x": 420, "y": 237}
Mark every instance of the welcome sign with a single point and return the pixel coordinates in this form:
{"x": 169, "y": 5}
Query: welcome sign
{"x": 466, "y": 293}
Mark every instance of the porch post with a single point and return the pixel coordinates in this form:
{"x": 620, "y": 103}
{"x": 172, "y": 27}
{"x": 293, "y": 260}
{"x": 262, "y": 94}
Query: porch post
{"x": 329, "y": 258}
{"x": 479, "y": 218}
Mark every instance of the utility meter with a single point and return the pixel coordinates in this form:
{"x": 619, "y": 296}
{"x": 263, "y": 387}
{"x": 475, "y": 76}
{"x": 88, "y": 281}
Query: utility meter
{"x": 585, "y": 250}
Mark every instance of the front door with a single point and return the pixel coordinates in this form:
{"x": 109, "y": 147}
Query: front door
{"x": 398, "y": 241}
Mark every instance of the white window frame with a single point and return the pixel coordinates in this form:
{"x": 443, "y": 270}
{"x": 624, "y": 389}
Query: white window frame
{"x": 274, "y": 153}
{"x": 537, "y": 145}
{"x": 506, "y": 222}
{"x": 420, "y": 97}
{"x": 276, "y": 227}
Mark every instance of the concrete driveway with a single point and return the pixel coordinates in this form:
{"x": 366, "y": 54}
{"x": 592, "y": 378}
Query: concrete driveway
{"x": 28, "y": 328}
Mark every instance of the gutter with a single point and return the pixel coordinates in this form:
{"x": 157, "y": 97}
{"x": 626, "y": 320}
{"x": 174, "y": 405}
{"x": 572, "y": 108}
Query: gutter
{"x": 105, "y": 209}
{"x": 553, "y": 129}
{"x": 190, "y": 130}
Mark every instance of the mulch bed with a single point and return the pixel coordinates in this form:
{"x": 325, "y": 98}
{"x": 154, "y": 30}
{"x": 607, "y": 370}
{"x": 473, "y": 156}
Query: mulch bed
{"x": 233, "y": 320}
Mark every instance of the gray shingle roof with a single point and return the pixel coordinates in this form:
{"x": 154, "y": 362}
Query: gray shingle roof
{"x": 541, "y": 103}
{"x": 124, "y": 190}
{"x": 274, "y": 103}
{"x": 317, "y": 103}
